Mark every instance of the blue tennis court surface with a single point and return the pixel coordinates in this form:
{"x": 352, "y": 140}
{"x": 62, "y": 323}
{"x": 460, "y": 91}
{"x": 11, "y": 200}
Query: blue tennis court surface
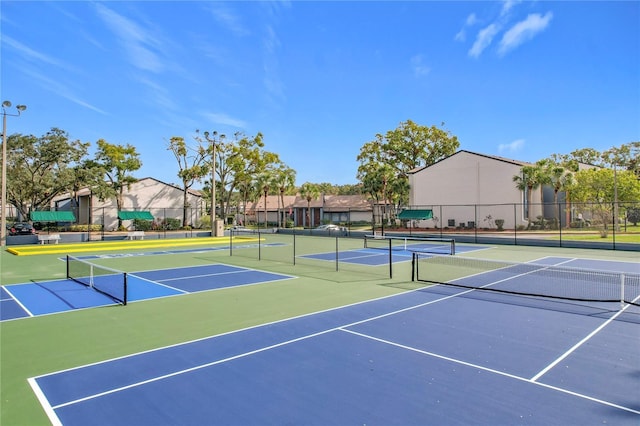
{"x": 380, "y": 256}
{"x": 438, "y": 355}
{"x": 48, "y": 297}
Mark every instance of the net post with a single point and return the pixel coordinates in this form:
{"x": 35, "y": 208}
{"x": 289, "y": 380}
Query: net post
{"x": 68, "y": 276}
{"x": 231, "y": 242}
{"x": 260, "y": 245}
{"x": 124, "y": 296}
{"x": 413, "y": 267}
{"x": 390, "y": 260}
{"x": 294, "y": 248}
{"x": 622, "y": 291}
{"x": 337, "y": 250}
{"x": 453, "y": 247}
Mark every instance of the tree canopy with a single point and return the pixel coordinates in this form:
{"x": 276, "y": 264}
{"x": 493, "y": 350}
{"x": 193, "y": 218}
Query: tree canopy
{"x": 386, "y": 161}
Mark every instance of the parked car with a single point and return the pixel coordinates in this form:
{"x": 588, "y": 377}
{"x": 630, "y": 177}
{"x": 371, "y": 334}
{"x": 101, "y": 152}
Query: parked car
{"x": 330, "y": 229}
{"x": 21, "y": 228}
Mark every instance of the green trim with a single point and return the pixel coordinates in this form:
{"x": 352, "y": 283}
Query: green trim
{"x": 52, "y": 216}
{"x": 416, "y": 214}
{"x": 130, "y": 215}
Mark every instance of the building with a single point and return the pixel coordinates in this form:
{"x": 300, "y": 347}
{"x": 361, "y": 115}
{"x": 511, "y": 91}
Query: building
{"x": 162, "y": 201}
{"x": 469, "y": 190}
{"x": 339, "y": 209}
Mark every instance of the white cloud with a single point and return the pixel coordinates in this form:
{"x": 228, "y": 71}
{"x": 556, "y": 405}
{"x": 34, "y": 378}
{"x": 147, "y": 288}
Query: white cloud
{"x": 228, "y": 19}
{"x": 523, "y": 31}
{"x": 224, "y": 119}
{"x": 483, "y": 40}
{"x": 462, "y": 34}
{"x": 32, "y": 54}
{"x": 507, "y": 5}
{"x": 512, "y": 147}
{"x": 60, "y": 89}
{"x": 139, "y": 44}
{"x": 419, "y": 68}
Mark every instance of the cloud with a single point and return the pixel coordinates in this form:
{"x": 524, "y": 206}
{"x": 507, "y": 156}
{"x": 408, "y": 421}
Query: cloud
{"x": 512, "y": 147}
{"x": 523, "y": 31}
{"x": 507, "y": 6}
{"x": 228, "y": 19}
{"x": 462, "y": 34}
{"x": 60, "y": 89}
{"x": 139, "y": 44}
{"x": 419, "y": 68}
{"x": 483, "y": 40}
{"x": 32, "y": 54}
{"x": 224, "y": 119}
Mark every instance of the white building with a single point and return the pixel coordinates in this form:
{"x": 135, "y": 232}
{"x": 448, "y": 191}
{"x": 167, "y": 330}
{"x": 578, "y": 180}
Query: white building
{"x": 468, "y": 189}
{"x": 163, "y": 201}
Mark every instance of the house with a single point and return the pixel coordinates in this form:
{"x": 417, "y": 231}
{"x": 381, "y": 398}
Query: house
{"x": 468, "y": 189}
{"x": 325, "y": 209}
{"x": 163, "y": 202}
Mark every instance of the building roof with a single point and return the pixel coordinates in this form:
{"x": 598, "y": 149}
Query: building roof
{"x": 341, "y": 203}
{"x": 492, "y": 157}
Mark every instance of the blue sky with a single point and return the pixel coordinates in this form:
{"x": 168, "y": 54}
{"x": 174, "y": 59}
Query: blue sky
{"x": 517, "y": 79}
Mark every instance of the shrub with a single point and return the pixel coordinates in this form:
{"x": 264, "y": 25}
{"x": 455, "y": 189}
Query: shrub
{"x": 142, "y": 225}
{"x": 500, "y": 224}
{"x": 83, "y": 228}
{"x": 633, "y": 216}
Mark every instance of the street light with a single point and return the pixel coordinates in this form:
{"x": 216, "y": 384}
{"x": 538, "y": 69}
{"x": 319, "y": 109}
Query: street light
{"x": 3, "y": 202}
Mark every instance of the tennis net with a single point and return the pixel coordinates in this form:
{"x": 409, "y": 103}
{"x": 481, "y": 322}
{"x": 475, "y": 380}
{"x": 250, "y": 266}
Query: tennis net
{"x": 411, "y": 244}
{"x": 110, "y": 282}
{"x": 529, "y": 279}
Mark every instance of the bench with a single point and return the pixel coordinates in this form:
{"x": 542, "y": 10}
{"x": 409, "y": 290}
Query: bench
{"x": 48, "y": 238}
{"x": 134, "y": 235}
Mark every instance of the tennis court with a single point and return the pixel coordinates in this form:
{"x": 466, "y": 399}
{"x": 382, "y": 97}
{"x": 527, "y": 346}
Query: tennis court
{"x": 49, "y": 297}
{"x": 320, "y": 350}
{"x": 431, "y": 356}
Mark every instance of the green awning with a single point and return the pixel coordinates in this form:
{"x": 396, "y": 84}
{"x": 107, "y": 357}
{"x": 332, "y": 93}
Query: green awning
{"x": 52, "y": 216}
{"x": 130, "y": 215}
{"x": 415, "y": 214}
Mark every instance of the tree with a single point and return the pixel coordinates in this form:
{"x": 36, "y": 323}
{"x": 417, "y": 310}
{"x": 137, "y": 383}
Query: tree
{"x": 595, "y": 188}
{"x": 309, "y": 191}
{"x": 39, "y": 169}
{"x": 527, "y": 181}
{"x": 556, "y": 176}
{"x": 191, "y": 167}
{"x": 283, "y": 178}
{"x": 396, "y": 153}
{"x": 117, "y": 161}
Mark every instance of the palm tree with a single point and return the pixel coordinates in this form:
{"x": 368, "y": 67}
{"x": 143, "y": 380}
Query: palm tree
{"x": 527, "y": 181}
{"x": 284, "y": 179}
{"x": 309, "y": 191}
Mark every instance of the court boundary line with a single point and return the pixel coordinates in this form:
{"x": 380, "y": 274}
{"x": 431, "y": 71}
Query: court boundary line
{"x": 206, "y": 265}
{"x": 138, "y": 277}
{"x": 238, "y": 356}
{"x": 490, "y": 370}
{"x": 580, "y": 343}
{"x": 205, "y": 275}
{"x": 14, "y": 298}
{"x": 284, "y": 343}
{"x": 342, "y": 328}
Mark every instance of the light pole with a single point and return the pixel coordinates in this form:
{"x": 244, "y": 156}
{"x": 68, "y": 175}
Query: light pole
{"x": 213, "y": 142}
{"x": 3, "y": 202}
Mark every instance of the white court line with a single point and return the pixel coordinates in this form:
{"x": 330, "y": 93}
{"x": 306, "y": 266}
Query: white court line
{"x": 187, "y": 277}
{"x": 580, "y": 343}
{"x": 138, "y": 277}
{"x": 490, "y": 370}
{"x": 18, "y": 302}
{"x": 242, "y": 355}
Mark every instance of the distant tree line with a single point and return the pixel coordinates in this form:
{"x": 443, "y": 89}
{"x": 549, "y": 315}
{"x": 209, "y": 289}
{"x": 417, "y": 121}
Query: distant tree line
{"x": 41, "y": 168}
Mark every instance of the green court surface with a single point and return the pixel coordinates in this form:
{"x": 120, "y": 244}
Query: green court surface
{"x": 36, "y": 346}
